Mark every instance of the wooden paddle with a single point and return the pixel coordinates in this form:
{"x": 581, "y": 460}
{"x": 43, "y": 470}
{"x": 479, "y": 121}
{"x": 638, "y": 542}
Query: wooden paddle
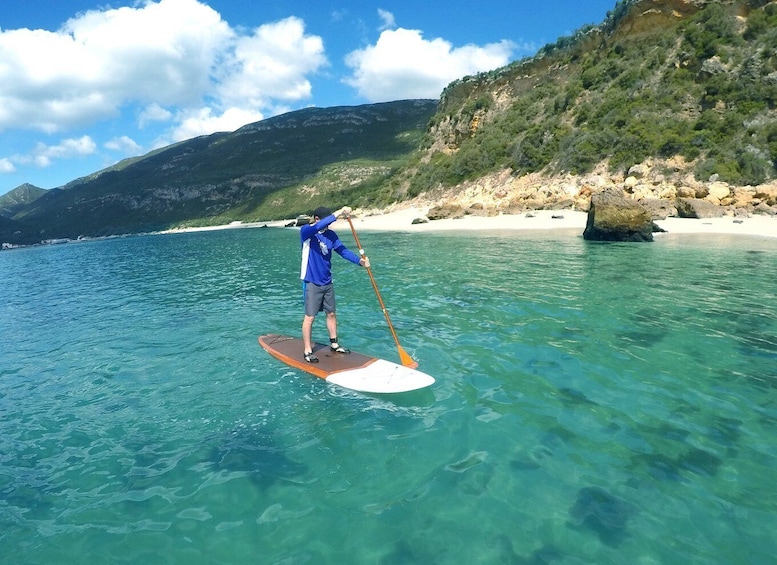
{"x": 407, "y": 361}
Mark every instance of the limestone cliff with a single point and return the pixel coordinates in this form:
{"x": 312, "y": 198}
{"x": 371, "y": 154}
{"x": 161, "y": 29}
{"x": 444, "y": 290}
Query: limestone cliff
{"x": 580, "y": 116}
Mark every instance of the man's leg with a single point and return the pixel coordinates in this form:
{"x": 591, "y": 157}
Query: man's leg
{"x": 307, "y": 333}
{"x": 331, "y": 324}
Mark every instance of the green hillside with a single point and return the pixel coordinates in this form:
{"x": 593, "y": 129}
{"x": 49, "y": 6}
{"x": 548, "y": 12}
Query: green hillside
{"x": 656, "y": 79}
{"x": 272, "y": 169}
{"x": 19, "y": 198}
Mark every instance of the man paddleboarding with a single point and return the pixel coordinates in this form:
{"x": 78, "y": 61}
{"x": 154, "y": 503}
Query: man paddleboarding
{"x": 318, "y": 243}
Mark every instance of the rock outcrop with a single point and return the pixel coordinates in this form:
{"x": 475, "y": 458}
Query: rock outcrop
{"x": 697, "y": 208}
{"x": 445, "y": 211}
{"x": 612, "y": 217}
{"x": 662, "y": 194}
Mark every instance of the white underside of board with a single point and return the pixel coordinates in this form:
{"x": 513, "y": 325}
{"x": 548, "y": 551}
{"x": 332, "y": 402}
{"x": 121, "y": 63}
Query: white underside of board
{"x": 381, "y": 376}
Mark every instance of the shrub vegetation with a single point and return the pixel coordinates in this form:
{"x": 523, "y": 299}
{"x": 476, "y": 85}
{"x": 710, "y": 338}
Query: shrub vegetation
{"x": 704, "y": 89}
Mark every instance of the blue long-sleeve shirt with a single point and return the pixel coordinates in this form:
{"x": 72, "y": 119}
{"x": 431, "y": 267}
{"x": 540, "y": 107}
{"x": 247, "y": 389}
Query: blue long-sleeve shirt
{"x": 318, "y": 242}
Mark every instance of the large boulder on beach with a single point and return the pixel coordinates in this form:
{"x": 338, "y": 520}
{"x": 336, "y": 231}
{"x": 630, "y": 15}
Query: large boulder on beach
{"x": 446, "y": 211}
{"x": 767, "y": 195}
{"x": 659, "y": 208}
{"x": 764, "y": 209}
{"x": 697, "y": 208}
{"x": 612, "y": 217}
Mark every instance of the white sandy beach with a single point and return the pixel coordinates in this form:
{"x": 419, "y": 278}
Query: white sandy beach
{"x": 402, "y": 220}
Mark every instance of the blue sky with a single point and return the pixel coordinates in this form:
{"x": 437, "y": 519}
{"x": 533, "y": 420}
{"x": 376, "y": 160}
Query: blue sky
{"x": 85, "y": 83}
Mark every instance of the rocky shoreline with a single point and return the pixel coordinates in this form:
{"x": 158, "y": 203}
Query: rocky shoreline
{"x": 663, "y": 195}
{"x": 656, "y": 196}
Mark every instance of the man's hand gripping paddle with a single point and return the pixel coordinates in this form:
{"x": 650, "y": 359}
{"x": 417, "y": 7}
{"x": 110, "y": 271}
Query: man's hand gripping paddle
{"x": 407, "y": 361}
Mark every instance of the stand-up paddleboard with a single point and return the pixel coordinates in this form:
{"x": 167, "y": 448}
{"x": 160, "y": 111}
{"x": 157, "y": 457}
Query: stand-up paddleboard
{"x": 353, "y": 370}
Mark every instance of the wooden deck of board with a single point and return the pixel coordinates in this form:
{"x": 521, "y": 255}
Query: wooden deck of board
{"x": 289, "y": 350}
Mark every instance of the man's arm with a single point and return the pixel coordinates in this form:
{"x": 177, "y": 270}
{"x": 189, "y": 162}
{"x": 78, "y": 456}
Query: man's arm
{"x": 309, "y": 230}
{"x": 346, "y": 253}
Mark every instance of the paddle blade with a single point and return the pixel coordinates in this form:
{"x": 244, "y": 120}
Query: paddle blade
{"x": 407, "y": 361}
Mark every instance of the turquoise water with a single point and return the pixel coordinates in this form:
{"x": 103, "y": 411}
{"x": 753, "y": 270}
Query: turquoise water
{"x": 594, "y": 403}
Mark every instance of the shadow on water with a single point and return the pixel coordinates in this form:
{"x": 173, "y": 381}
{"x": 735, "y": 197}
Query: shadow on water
{"x": 573, "y": 398}
{"x": 258, "y": 455}
{"x": 602, "y": 513}
{"x": 423, "y": 398}
{"x": 406, "y": 553}
{"x": 533, "y": 459}
{"x": 673, "y": 457}
{"x": 545, "y": 554}
{"x": 648, "y": 327}
{"x": 538, "y": 455}
{"x": 154, "y": 466}
{"x": 28, "y": 496}
{"x": 666, "y": 468}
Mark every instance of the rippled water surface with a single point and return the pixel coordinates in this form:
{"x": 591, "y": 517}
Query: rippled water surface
{"x": 594, "y": 403}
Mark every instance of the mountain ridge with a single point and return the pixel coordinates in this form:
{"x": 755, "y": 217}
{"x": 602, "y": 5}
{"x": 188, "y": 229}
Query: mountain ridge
{"x": 250, "y": 173}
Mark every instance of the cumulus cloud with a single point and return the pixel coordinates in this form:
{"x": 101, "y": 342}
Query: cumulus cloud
{"x": 387, "y": 18}
{"x": 67, "y": 148}
{"x": 204, "y": 121}
{"x": 160, "y": 55}
{"x": 153, "y": 113}
{"x": 402, "y": 64}
{"x": 102, "y": 60}
{"x": 271, "y": 64}
{"x": 123, "y": 144}
{"x": 43, "y": 155}
{"x": 176, "y": 69}
{"x": 6, "y": 166}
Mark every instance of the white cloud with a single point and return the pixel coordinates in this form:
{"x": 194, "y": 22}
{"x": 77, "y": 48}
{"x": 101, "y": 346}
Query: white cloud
{"x": 203, "y": 122}
{"x": 153, "y": 113}
{"x": 67, "y": 148}
{"x": 272, "y": 64}
{"x": 402, "y": 64}
{"x": 6, "y": 166}
{"x": 388, "y": 19}
{"x": 43, "y": 155}
{"x": 124, "y": 144}
{"x": 170, "y": 58}
{"x": 177, "y": 68}
{"x": 338, "y": 15}
{"x": 102, "y": 60}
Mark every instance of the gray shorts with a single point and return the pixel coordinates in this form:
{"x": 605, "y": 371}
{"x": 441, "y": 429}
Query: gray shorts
{"x": 319, "y": 298}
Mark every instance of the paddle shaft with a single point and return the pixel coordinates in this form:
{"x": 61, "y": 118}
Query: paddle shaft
{"x": 407, "y": 361}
